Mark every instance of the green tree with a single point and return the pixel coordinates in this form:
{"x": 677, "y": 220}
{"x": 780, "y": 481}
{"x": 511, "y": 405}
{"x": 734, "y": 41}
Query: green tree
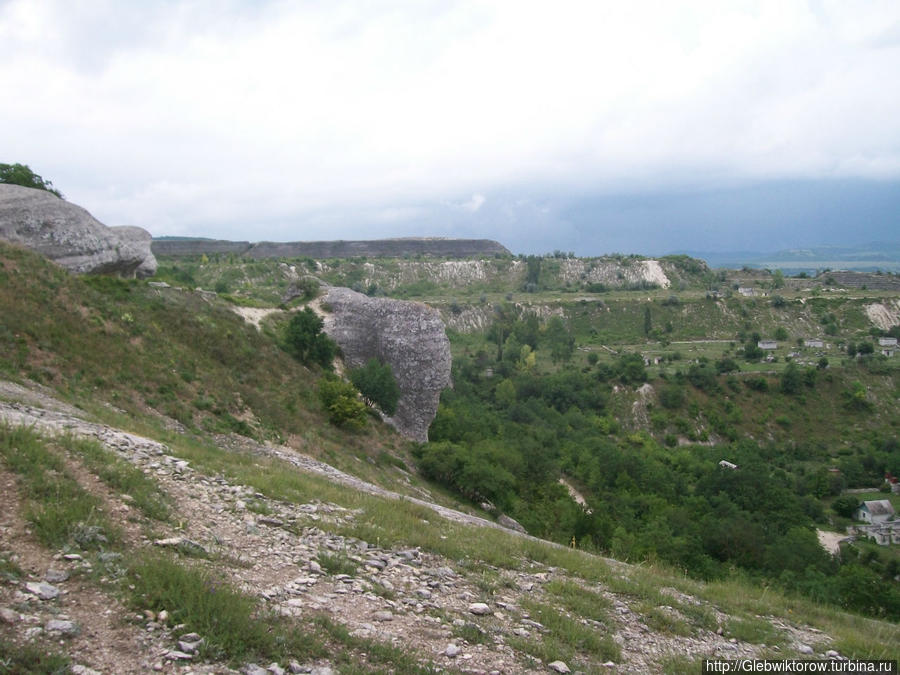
{"x": 340, "y": 401}
{"x": 792, "y": 379}
{"x": 778, "y": 279}
{"x": 305, "y": 341}
{"x": 377, "y": 384}
{"x": 845, "y": 505}
{"x": 560, "y": 341}
{"x": 21, "y": 174}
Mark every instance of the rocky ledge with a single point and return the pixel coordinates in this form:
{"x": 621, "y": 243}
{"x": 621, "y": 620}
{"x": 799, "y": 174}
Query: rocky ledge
{"x": 409, "y": 336}
{"x": 72, "y": 237}
{"x": 377, "y": 248}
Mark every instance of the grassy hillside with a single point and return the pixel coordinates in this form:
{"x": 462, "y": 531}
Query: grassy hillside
{"x": 550, "y": 384}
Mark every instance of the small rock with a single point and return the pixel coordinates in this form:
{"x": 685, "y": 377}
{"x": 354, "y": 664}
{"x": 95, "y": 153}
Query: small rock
{"x": 56, "y": 576}
{"x": 383, "y": 615}
{"x": 72, "y": 557}
{"x": 163, "y": 616}
{"x": 559, "y": 667}
{"x": 511, "y": 524}
{"x": 479, "y": 608}
{"x": 83, "y": 670}
{"x": 189, "y": 647}
{"x": 175, "y": 655}
{"x": 314, "y": 567}
{"x": 268, "y": 520}
{"x": 804, "y": 649}
{"x": 61, "y": 626}
{"x": 275, "y": 669}
{"x": 42, "y": 590}
{"x": 8, "y": 616}
{"x": 831, "y": 654}
{"x": 452, "y": 651}
{"x": 322, "y": 670}
{"x": 253, "y": 669}
{"x": 296, "y": 668}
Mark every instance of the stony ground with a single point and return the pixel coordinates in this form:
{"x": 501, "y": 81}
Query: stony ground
{"x": 410, "y": 598}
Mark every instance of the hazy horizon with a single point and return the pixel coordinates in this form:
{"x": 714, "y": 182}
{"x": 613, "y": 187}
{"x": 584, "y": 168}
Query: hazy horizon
{"x": 590, "y": 126}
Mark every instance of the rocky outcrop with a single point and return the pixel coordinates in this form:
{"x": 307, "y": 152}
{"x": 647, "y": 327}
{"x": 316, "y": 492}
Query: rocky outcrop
{"x": 377, "y": 248}
{"x": 409, "y": 336}
{"x": 613, "y": 272}
{"x": 72, "y": 237}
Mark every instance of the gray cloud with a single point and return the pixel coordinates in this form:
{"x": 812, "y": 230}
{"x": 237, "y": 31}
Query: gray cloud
{"x": 331, "y": 118}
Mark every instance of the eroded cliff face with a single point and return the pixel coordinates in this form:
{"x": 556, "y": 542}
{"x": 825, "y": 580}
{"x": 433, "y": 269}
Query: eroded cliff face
{"x": 72, "y": 237}
{"x": 409, "y": 336}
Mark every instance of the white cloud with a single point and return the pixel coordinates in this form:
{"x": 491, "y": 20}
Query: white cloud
{"x": 201, "y": 114}
{"x": 475, "y": 202}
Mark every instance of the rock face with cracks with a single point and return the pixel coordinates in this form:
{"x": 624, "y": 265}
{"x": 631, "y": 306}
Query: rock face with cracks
{"x": 72, "y": 237}
{"x": 409, "y": 336}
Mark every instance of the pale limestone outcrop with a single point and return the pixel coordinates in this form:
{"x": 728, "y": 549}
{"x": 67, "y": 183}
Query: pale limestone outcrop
{"x": 407, "y": 335}
{"x": 72, "y": 237}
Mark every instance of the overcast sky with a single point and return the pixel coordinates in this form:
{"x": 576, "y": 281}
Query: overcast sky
{"x": 593, "y": 126}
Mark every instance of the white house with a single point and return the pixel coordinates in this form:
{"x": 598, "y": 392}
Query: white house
{"x": 887, "y": 342}
{"x": 767, "y": 344}
{"x": 725, "y": 464}
{"x": 815, "y": 343}
{"x": 875, "y": 511}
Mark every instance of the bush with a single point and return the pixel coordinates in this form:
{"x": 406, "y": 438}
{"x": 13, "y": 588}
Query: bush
{"x": 305, "y": 341}
{"x": 671, "y": 396}
{"x": 377, "y": 384}
{"x": 21, "y": 174}
{"x": 341, "y": 403}
{"x": 845, "y": 506}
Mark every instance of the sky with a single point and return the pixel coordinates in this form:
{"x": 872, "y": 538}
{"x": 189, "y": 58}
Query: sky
{"x": 592, "y": 126}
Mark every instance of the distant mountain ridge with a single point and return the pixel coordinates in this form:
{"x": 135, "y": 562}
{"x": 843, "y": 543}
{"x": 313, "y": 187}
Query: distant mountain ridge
{"x": 864, "y": 258}
{"x": 387, "y": 248}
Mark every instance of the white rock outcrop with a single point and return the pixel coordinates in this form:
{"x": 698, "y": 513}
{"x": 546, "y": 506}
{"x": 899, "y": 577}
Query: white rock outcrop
{"x": 409, "y": 336}
{"x": 72, "y": 237}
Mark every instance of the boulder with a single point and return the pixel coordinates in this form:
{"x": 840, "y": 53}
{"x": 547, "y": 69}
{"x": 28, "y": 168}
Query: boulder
{"x": 409, "y": 336}
{"x": 72, "y": 237}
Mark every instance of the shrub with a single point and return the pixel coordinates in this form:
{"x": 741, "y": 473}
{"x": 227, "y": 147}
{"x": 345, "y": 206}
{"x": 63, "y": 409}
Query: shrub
{"x": 340, "y": 401}
{"x": 21, "y": 174}
{"x": 377, "y": 384}
{"x": 671, "y": 396}
{"x": 305, "y": 341}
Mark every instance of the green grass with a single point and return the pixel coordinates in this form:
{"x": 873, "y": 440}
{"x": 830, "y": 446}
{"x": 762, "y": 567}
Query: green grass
{"x": 59, "y": 510}
{"x": 31, "y": 659}
{"x": 9, "y": 569}
{"x": 755, "y": 630}
{"x": 337, "y": 563}
{"x": 567, "y": 637}
{"x": 471, "y": 633}
{"x": 233, "y": 625}
{"x": 580, "y": 600}
{"x": 120, "y": 475}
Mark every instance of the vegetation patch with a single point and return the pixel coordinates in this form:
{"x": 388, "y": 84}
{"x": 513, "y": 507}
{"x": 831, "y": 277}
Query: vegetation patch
{"x": 232, "y": 624}
{"x": 59, "y": 510}
{"x": 139, "y": 490}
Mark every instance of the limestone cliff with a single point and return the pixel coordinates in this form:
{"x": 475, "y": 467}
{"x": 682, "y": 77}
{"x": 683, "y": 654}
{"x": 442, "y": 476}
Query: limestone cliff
{"x": 72, "y": 237}
{"x": 379, "y": 248}
{"x": 409, "y": 336}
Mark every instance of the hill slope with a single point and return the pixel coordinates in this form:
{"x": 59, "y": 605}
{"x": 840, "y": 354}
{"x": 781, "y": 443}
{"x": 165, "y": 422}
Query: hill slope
{"x": 205, "y": 437}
